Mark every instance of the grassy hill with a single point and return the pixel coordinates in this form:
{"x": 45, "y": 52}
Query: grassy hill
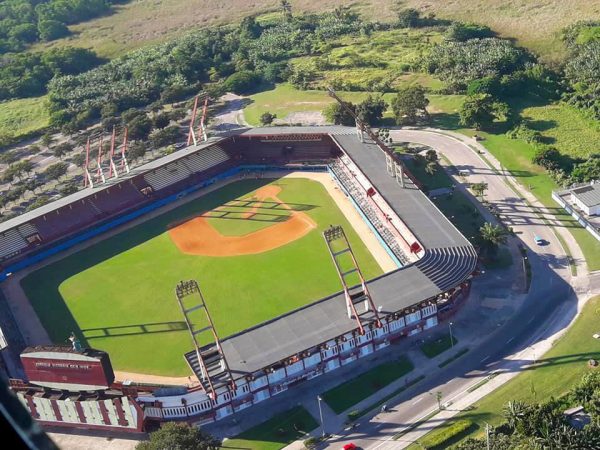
{"x": 535, "y": 24}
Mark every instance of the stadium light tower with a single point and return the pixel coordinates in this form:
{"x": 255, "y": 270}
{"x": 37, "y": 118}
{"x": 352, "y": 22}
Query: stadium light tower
{"x": 349, "y": 273}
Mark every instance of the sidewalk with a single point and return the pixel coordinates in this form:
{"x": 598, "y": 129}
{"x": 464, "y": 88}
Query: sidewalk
{"x": 468, "y": 337}
{"x": 490, "y": 160}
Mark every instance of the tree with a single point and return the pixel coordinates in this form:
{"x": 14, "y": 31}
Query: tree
{"x": 479, "y": 111}
{"x": 409, "y": 18}
{"x": 431, "y": 168}
{"x": 409, "y": 105}
{"x": 286, "y": 10}
{"x": 50, "y": 30}
{"x": 339, "y": 115}
{"x": 139, "y": 127}
{"x": 492, "y": 236}
{"x": 78, "y": 159}
{"x": 464, "y": 31}
{"x": 62, "y": 149}
{"x": 371, "y": 109}
{"x": 55, "y": 171}
{"x": 267, "y": 118}
{"x": 136, "y": 151}
{"x": 161, "y": 120}
{"x": 47, "y": 139}
{"x": 242, "y": 82}
{"x": 166, "y": 136}
{"x": 479, "y": 189}
{"x": 8, "y": 157}
{"x": 175, "y": 436}
{"x": 431, "y": 155}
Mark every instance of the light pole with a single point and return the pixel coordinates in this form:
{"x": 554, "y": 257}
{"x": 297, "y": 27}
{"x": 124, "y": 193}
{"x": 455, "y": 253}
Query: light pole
{"x": 487, "y": 435}
{"x": 321, "y": 415}
{"x": 451, "y": 338}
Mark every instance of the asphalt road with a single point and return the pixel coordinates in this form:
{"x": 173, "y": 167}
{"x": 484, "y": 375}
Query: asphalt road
{"x": 550, "y": 302}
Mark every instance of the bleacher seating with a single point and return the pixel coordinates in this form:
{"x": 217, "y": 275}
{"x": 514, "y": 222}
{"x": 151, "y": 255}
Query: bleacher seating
{"x": 205, "y": 159}
{"x": 360, "y": 197}
{"x": 70, "y": 218}
{"x": 116, "y": 198}
{"x": 166, "y": 176}
{"x": 27, "y": 229}
{"x": 11, "y": 243}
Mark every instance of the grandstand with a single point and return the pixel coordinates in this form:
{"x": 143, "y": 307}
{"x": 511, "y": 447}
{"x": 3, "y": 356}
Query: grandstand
{"x": 435, "y": 262}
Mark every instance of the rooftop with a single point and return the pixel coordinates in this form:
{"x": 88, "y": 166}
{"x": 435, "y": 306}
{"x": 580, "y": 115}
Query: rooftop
{"x": 589, "y": 195}
{"x": 449, "y": 260}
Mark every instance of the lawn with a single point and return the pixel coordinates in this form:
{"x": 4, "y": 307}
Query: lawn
{"x": 555, "y": 373}
{"x": 275, "y": 433}
{"x": 119, "y": 293}
{"x": 433, "y": 348}
{"x": 344, "y": 396}
{"x": 284, "y": 99}
{"x": 565, "y": 128}
{"x": 22, "y": 116}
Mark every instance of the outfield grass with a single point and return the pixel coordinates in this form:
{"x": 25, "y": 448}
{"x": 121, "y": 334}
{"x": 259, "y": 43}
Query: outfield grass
{"x": 275, "y": 433}
{"x": 554, "y": 375}
{"x": 23, "y": 116}
{"x": 348, "y": 394}
{"x": 119, "y": 294}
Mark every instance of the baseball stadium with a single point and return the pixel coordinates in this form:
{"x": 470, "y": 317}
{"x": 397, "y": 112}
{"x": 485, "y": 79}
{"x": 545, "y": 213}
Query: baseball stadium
{"x": 252, "y": 261}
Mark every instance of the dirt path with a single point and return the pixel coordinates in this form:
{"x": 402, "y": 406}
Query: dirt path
{"x": 190, "y": 381}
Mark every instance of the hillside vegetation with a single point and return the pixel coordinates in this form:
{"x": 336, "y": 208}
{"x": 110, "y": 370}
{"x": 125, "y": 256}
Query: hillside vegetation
{"x": 535, "y": 24}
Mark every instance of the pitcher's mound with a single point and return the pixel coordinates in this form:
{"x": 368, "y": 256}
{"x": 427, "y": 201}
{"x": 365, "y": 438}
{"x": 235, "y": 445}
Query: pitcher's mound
{"x": 198, "y": 237}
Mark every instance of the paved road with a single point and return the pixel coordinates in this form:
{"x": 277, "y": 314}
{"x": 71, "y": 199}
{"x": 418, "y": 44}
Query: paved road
{"x": 550, "y": 305}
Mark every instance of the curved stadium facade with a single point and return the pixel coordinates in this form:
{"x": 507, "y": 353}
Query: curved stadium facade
{"x": 435, "y": 266}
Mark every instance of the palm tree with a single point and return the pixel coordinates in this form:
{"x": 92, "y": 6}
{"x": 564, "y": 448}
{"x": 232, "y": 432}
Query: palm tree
{"x": 431, "y": 168}
{"x": 492, "y": 236}
{"x": 513, "y": 411}
{"x": 479, "y": 189}
{"x": 286, "y": 9}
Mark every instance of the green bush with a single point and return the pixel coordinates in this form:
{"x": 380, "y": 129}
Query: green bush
{"x": 445, "y": 435}
{"x": 353, "y": 415}
{"x": 242, "y": 82}
{"x": 311, "y": 442}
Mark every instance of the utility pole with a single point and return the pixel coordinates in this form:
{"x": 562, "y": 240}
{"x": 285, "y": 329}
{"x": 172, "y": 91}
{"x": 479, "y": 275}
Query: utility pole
{"x": 319, "y": 399}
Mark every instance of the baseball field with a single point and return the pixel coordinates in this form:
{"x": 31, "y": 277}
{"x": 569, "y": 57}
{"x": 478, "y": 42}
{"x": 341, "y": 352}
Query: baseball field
{"x": 255, "y": 246}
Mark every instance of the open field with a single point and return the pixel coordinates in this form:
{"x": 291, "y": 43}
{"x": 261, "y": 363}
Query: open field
{"x": 275, "y": 433}
{"x": 141, "y": 22}
{"x": 381, "y": 61}
{"x": 344, "y": 396}
{"x": 566, "y": 128}
{"x": 22, "y": 116}
{"x": 554, "y": 374}
{"x": 118, "y": 295}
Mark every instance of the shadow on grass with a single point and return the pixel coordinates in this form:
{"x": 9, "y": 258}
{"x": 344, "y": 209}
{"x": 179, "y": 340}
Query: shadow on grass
{"x": 42, "y": 286}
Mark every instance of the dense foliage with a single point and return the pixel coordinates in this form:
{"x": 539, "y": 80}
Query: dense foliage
{"x": 243, "y": 56}
{"x": 459, "y": 63}
{"x": 179, "y": 436}
{"x": 26, "y": 74}
{"x": 582, "y": 72}
{"x": 543, "y": 425}
{"x": 25, "y": 21}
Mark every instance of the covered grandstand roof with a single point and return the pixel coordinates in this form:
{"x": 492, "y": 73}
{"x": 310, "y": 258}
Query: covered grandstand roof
{"x": 449, "y": 259}
{"x": 88, "y": 192}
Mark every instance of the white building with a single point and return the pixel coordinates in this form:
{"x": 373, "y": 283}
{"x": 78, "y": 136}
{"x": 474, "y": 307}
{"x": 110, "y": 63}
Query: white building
{"x": 587, "y": 198}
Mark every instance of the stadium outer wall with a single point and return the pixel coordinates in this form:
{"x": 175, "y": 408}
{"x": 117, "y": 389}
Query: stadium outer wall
{"x": 194, "y": 405}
